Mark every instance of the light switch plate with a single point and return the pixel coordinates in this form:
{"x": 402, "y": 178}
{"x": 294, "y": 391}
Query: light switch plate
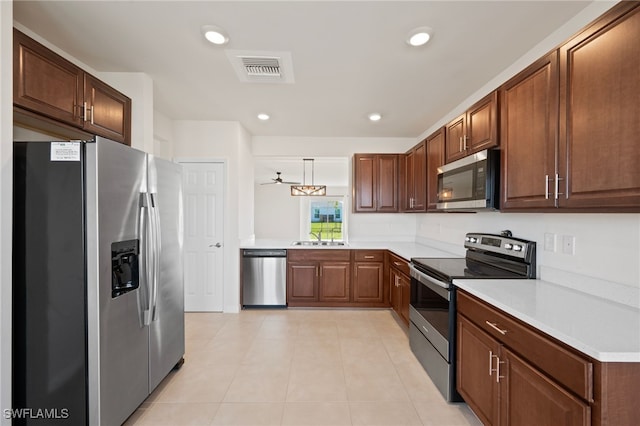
{"x": 569, "y": 244}
{"x": 550, "y": 242}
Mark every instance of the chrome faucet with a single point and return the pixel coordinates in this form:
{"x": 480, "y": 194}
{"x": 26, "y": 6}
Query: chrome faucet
{"x": 318, "y": 235}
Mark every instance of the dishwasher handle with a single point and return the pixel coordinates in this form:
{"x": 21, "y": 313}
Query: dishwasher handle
{"x": 264, "y": 253}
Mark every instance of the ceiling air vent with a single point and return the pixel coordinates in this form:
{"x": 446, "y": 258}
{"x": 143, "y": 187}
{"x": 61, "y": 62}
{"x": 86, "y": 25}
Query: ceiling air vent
{"x": 261, "y": 67}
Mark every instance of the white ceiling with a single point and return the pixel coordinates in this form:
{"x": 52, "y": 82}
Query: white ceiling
{"x": 349, "y": 57}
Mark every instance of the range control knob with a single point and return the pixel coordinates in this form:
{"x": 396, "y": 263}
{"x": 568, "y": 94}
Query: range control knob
{"x": 508, "y": 246}
{"x": 517, "y": 247}
{"x": 473, "y": 239}
{"x": 467, "y": 239}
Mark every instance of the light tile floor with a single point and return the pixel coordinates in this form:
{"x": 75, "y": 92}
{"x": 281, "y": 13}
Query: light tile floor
{"x": 298, "y": 367}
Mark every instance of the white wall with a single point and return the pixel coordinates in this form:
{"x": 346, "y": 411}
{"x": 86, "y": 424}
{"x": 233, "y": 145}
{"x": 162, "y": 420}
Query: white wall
{"x": 6, "y": 170}
{"x": 362, "y": 226}
{"x": 607, "y": 246}
{"x": 228, "y": 141}
{"x": 162, "y": 136}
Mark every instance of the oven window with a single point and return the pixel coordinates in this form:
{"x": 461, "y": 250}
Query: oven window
{"x": 431, "y": 306}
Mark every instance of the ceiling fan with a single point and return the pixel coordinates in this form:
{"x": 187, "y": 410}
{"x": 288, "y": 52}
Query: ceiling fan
{"x": 278, "y": 180}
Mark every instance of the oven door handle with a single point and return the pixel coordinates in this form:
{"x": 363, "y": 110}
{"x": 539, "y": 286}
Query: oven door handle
{"x": 440, "y": 287}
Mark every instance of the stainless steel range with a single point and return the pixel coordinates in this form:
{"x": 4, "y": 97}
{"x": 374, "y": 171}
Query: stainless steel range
{"x": 432, "y": 310}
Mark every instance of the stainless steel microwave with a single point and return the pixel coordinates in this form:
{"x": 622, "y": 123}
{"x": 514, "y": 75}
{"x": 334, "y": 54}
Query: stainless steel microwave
{"x": 471, "y": 183}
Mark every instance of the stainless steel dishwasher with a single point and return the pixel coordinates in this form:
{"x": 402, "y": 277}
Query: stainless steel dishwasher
{"x": 264, "y": 278}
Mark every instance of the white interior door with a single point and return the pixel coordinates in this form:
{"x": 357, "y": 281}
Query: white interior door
{"x": 203, "y": 236}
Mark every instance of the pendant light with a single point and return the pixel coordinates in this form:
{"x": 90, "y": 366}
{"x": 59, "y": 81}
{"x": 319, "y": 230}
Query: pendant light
{"x": 308, "y": 190}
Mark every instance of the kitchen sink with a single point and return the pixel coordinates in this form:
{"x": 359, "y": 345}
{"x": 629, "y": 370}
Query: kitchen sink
{"x": 319, "y": 243}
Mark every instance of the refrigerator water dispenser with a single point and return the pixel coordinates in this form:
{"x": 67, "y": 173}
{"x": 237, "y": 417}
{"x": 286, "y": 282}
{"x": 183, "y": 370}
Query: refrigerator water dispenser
{"x": 124, "y": 261}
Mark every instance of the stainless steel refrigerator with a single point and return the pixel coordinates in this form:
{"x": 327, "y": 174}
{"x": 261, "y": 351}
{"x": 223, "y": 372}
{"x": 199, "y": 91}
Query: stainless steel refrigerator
{"x": 98, "y": 301}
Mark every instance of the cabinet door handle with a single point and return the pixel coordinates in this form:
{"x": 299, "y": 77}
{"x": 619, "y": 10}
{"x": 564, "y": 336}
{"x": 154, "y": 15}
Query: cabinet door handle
{"x": 460, "y": 145}
{"x": 558, "y": 179}
{"x": 496, "y": 328}
{"x": 85, "y": 113}
{"x": 490, "y": 363}
{"x": 464, "y": 142}
{"x": 498, "y": 376}
{"x": 91, "y": 114}
{"x": 546, "y": 187}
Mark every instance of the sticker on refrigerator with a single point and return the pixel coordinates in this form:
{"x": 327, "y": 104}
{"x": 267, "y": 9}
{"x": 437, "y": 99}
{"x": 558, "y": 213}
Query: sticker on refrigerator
{"x": 65, "y": 151}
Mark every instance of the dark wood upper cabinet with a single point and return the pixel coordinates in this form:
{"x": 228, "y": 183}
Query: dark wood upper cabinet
{"x": 47, "y": 84}
{"x": 414, "y": 179}
{"x": 375, "y": 182}
{"x": 569, "y": 122}
{"x": 473, "y": 131}
{"x": 109, "y": 111}
{"x": 599, "y": 153}
{"x": 528, "y": 135}
{"x": 454, "y": 140}
{"x": 435, "y": 145}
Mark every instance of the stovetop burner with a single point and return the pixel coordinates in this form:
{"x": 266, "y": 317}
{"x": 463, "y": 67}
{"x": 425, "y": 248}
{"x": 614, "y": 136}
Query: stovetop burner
{"x": 449, "y": 269}
{"x": 488, "y": 256}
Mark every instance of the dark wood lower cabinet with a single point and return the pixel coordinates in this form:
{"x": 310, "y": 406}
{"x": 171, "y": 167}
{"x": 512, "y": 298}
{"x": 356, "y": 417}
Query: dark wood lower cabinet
{"x": 531, "y": 398}
{"x": 334, "y": 282}
{"x": 368, "y": 285}
{"x": 302, "y": 282}
{"x": 475, "y": 380}
{"x": 400, "y": 286}
{"x": 510, "y": 373}
{"x": 336, "y": 278}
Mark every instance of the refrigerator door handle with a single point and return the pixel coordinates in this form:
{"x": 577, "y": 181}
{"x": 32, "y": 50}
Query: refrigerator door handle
{"x": 157, "y": 246}
{"x": 147, "y": 235}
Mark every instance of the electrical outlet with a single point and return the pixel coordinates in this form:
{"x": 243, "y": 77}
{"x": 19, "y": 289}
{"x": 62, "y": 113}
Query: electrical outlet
{"x": 550, "y": 242}
{"x": 569, "y": 244}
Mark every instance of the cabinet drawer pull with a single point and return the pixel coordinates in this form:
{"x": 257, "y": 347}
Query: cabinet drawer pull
{"x": 496, "y": 328}
{"x": 397, "y": 263}
{"x": 369, "y": 257}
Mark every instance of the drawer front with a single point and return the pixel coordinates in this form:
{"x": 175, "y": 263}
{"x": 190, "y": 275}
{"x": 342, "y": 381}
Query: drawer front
{"x": 566, "y": 367}
{"x": 399, "y": 263}
{"x": 368, "y": 255}
{"x": 338, "y": 255}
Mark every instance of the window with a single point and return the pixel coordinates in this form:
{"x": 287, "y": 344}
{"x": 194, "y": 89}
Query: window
{"x": 325, "y": 220}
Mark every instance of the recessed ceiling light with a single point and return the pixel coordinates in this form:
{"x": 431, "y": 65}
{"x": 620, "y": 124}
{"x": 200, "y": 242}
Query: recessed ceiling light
{"x": 264, "y": 117}
{"x": 215, "y": 34}
{"x": 419, "y": 36}
{"x": 375, "y": 116}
